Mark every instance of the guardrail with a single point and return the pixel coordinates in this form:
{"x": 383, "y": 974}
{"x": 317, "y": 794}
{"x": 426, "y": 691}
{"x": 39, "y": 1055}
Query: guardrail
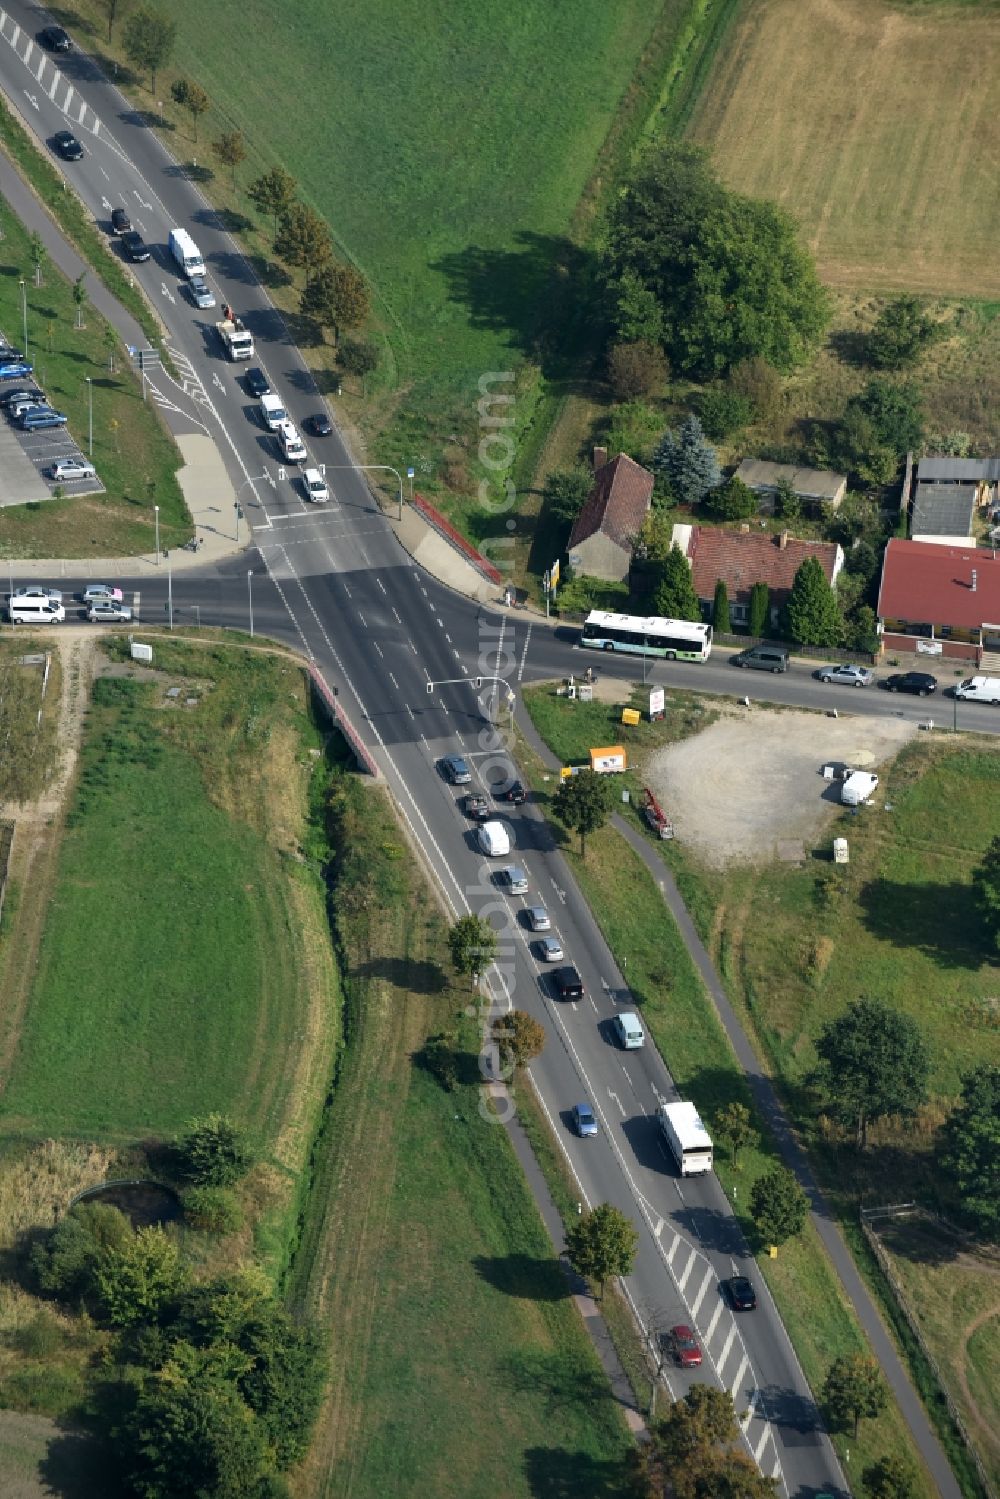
{"x": 331, "y": 702}
{"x": 456, "y": 539}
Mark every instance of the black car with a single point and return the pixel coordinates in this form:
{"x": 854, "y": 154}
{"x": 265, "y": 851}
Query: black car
{"x": 476, "y": 806}
{"x": 740, "y": 1294}
{"x": 514, "y": 793}
{"x": 134, "y": 245}
{"x": 120, "y": 221}
{"x": 920, "y": 682}
{"x": 56, "y": 39}
{"x": 256, "y": 382}
{"x": 21, "y": 393}
{"x": 67, "y": 145}
{"x": 319, "y": 425}
{"x": 568, "y": 983}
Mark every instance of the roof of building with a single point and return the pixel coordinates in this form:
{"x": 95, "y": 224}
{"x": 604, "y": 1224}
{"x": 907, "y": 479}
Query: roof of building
{"x": 945, "y": 470}
{"x": 742, "y": 559}
{"x": 811, "y": 483}
{"x": 617, "y": 505}
{"x": 940, "y": 585}
{"x": 943, "y": 510}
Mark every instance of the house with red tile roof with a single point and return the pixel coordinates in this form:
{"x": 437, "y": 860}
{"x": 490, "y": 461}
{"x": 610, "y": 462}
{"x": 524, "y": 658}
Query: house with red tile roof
{"x": 743, "y": 558}
{"x": 603, "y": 535}
{"x": 940, "y": 600}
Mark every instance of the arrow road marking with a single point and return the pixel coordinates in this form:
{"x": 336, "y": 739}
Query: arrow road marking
{"x": 141, "y": 201}
{"x": 166, "y": 292}
{"x": 218, "y": 382}
{"x": 105, "y": 204}
{"x": 613, "y": 1095}
{"x": 31, "y": 99}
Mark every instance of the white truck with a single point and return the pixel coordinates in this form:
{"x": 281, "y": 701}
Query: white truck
{"x": 237, "y": 340}
{"x": 979, "y": 690}
{"x": 186, "y": 253}
{"x": 858, "y": 787}
{"x": 291, "y": 446}
{"x": 689, "y": 1141}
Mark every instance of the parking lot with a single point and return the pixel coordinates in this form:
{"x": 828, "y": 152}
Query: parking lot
{"x": 27, "y": 458}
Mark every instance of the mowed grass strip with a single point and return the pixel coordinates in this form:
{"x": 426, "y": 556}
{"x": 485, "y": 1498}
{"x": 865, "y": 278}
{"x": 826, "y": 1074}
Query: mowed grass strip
{"x": 167, "y": 981}
{"x": 460, "y": 1365}
{"x": 873, "y": 124}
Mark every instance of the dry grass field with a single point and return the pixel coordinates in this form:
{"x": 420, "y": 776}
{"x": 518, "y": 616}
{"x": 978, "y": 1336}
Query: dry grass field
{"x": 876, "y": 126}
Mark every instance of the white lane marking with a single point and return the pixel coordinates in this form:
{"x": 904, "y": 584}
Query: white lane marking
{"x": 734, "y": 1387}
{"x": 396, "y": 613}
{"x": 721, "y": 1360}
{"x": 381, "y": 585}
{"x": 68, "y": 99}
{"x": 392, "y": 679}
{"x": 682, "y": 1282}
{"x": 379, "y": 649}
{"x": 696, "y": 1304}
{"x": 524, "y": 654}
{"x": 707, "y": 1337}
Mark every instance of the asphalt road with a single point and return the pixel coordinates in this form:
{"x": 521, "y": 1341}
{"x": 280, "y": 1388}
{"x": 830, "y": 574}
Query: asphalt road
{"x": 337, "y": 585}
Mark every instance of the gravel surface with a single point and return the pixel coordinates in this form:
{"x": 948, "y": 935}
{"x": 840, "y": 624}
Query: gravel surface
{"x": 753, "y": 781}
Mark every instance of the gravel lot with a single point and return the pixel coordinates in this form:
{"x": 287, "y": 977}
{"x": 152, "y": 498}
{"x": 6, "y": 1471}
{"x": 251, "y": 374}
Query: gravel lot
{"x": 749, "y": 782}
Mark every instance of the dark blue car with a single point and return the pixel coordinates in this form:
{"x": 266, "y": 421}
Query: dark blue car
{"x": 14, "y": 369}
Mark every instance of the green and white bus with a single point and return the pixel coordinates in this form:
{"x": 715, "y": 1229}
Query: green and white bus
{"x": 673, "y": 639}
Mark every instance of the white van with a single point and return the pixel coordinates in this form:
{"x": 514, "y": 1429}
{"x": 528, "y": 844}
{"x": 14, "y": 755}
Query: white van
{"x": 272, "y": 412}
{"x": 631, "y": 1035}
{"x": 494, "y": 839}
{"x": 979, "y": 689}
{"x": 35, "y": 611}
{"x": 858, "y": 787}
{"x": 292, "y": 447}
{"x": 186, "y": 253}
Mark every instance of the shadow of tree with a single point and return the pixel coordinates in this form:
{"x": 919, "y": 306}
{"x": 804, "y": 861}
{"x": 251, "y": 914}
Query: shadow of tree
{"x": 529, "y": 1277}
{"x": 557, "y": 1473}
{"x": 939, "y": 919}
{"x": 560, "y": 1380}
{"x": 418, "y": 976}
{"x": 449, "y": 1066}
{"x": 75, "y": 1466}
{"x": 850, "y": 346}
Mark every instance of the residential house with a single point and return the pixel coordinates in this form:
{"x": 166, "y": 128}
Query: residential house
{"x": 603, "y": 535}
{"x": 813, "y": 485}
{"x": 743, "y": 558}
{"x": 941, "y": 601}
{"x": 943, "y": 513}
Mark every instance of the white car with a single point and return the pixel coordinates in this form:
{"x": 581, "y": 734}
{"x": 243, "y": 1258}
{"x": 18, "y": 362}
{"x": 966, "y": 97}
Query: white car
{"x": 95, "y": 591}
{"x": 315, "y": 486}
{"x": 291, "y": 445}
{"x": 72, "y": 468}
{"x": 52, "y": 594}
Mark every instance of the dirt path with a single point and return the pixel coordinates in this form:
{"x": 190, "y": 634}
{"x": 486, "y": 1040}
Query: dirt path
{"x": 986, "y": 1430}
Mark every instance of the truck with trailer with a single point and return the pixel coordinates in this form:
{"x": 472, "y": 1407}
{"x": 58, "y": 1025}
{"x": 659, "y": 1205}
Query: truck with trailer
{"x": 186, "y": 253}
{"x": 237, "y": 340}
{"x": 689, "y": 1141}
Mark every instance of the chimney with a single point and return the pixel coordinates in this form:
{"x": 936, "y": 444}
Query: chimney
{"x": 600, "y": 458}
{"x": 745, "y": 527}
{"x": 975, "y": 579}
{"x": 783, "y": 540}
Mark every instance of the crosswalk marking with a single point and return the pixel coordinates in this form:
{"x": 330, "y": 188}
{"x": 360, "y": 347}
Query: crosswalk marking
{"x": 709, "y": 1278}
{"x": 687, "y": 1270}
{"x": 715, "y": 1317}
{"x": 734, "y": 1387}
{"x": 721, "y": 1364}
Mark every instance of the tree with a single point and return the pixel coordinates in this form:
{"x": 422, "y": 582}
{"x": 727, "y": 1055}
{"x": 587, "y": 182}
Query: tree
{"x": 303, "y": 239}
{"x": 691, "y": 1453}
{"x": 565, "y": 492}
{"x": 136, "y": 1280}
{"x": 336, "y": 296}
{"x": 733, "y": 500}
{"x": 520, "y": 1038}
{"x": 358, "y": 356}
{"x": 778, "y": 1205}
{"x": 582, "y": 803}
{"x": 36, "y": 249}
{"x": 473, "y": 946}
{"x": 602, "y": 1243}
{"x": 889, "y": 1478}
{"x": 787, "y": 502}
{"x": 811, "y": 614}
{"x": 895, "y": 410}
{"x": 637, "y": 369}
{"x": 970, "y": 1148}
{"x": 853, "y": 1388}
{"x": 655, "y": 537}
{"x": 902, "y": 332}
{"x": 872, "y": 1062}
{"x": 760, "y": 610}
{"x": 283, "y": 1383}
{"x": 214, "y": 1152}
{"x": 110, "y": 8}
{"x": 721, "y": 622}
{"x": 675, "y": 596}
{"x": 149, "y": 40}
{"x": 734, "y": 1124}
{"x": 80, "y": 297}
{"x": 637, "y": 316}
{"x": 727, "y": 273}
{"x": 193, "y": 98}
{"x": 273, "y": 193}
{"x": 65, "y": 1263}
{"x": 688, "y": 461}
{"x": 760, "y": 384}
{"x": 858, "y": 448}
{"x": 231, "y": 149}
{"x": 986, "y": 884}
{"x": 722, "y": 411}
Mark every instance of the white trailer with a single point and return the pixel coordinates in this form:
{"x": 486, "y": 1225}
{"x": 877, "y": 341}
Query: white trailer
{"x": 689, "y": 1141}
{"x": 186, "y": 253}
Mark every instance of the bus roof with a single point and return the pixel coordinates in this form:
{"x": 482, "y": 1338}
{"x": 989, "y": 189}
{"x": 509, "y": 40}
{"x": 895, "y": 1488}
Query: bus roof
{"x": 688, "y": 1127}
{"x": 651, "y": 624}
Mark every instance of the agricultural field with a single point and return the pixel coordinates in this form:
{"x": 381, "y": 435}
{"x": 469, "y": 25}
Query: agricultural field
{"x": 872, "y": 122}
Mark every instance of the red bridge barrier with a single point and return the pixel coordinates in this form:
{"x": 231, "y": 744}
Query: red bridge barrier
{"x": 332, "y": 703}
{"x": 447, "y": 530}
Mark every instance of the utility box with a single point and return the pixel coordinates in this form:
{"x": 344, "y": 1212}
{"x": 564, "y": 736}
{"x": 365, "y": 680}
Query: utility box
{"x": 841, "y": 853}
{"x": 141, "y": 652}
{"x": 631, "y": 716}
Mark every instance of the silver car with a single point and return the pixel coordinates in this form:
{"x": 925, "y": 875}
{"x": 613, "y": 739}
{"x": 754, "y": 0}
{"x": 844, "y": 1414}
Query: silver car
{"x": 583, "y": 1120}
{"x": 538, "y": 919}
{"x": 201, "y": 293}
{"x": 37, "y": 592}
{"x": 550, "y": 951}
{"x": 847, "y": 675}
{"x": 108, "y": 611}
{"x": 72, "y": 468}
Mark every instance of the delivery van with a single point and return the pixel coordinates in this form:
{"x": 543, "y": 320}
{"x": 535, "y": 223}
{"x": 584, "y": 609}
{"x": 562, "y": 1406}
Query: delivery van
{"x": 494, "y": 840}
{"x": 35, "y": 611}
{"x": 186, "y": 253}
{"x": 272, "y": 413}
{"x": 628, "y": 1028}
{"x": 979, "y": 690}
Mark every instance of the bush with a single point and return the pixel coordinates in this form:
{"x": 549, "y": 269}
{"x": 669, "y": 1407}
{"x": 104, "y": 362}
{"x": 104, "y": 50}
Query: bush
{"x": 733, "y": 500}
{"x": 213, "y": 1210}
{"x": 637, "y": 369}
{"x": 565, "y": 491}
{"x": 633, "y": 429}
{"x": 759, "y": 383}
{"x": 723, "y": 411}
{"x": 358, "y": 356}
{"x": 214, "y": 1153}
{"x": 901, "y": 334}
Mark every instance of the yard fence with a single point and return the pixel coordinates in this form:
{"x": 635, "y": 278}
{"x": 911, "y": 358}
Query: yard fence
{"x": 6, "y": 845}
{"x": 885, "y": 1265}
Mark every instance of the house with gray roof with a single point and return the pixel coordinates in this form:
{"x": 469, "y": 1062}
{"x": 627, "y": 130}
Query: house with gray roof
{"x": 943, "y": 513}
{"x": 814, "y": 485}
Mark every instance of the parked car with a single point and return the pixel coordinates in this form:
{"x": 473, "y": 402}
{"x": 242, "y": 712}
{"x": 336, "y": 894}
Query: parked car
{"x": 550, "y": 950}
{"x": 740, "y": 1293}
{"x": 920, "y": 682}
{"x": 134, "y": 245}
{"x": 256, "y": 383}
{"x": 683, "y": 1346}
{"x": 319, "y": 425}
{"x": 120, "y": 221}
{"x": 67, "y": 145}
{"x": 200, "y": 292}
{"x": 16, "y": 409}
{"x": 94, "y": 591}
{"x": 72, "y": 468}
{"x": 40, "y": 418}
{"x": 476, "y": 806}
{"x": 515, "y": 794}
{"x": 538, "y": 919}
{"x": 583, "y": 1120}
{"x": 568, "y": 983}
{"x": 36, "y": 591}
{"x": 15, "y": 369}
{"x": 21, "y": 393}
{"x": 847, "y": 675}
{"x": 55, "y": 39}
{"x": 456, "y": 770}
{"x": 108, "y": 610}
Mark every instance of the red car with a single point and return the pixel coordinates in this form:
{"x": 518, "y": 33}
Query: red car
{"x": 684, "y": 1347}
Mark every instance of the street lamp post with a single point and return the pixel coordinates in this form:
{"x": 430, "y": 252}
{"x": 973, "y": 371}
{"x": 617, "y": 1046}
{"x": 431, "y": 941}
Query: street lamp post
{"x": 24, "y": 314}
{"x": 409, "y": 474}
{"x": 371, "y": 468}
{"x": 170, "y": 593}
{"x": 156, "y": 517}
{"x": 90, "y": 416}
{"x": 250, "y": 597}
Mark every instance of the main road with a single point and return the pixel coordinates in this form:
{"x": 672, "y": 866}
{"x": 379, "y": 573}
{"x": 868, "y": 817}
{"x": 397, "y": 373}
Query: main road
{"x": 336, "y": 583}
